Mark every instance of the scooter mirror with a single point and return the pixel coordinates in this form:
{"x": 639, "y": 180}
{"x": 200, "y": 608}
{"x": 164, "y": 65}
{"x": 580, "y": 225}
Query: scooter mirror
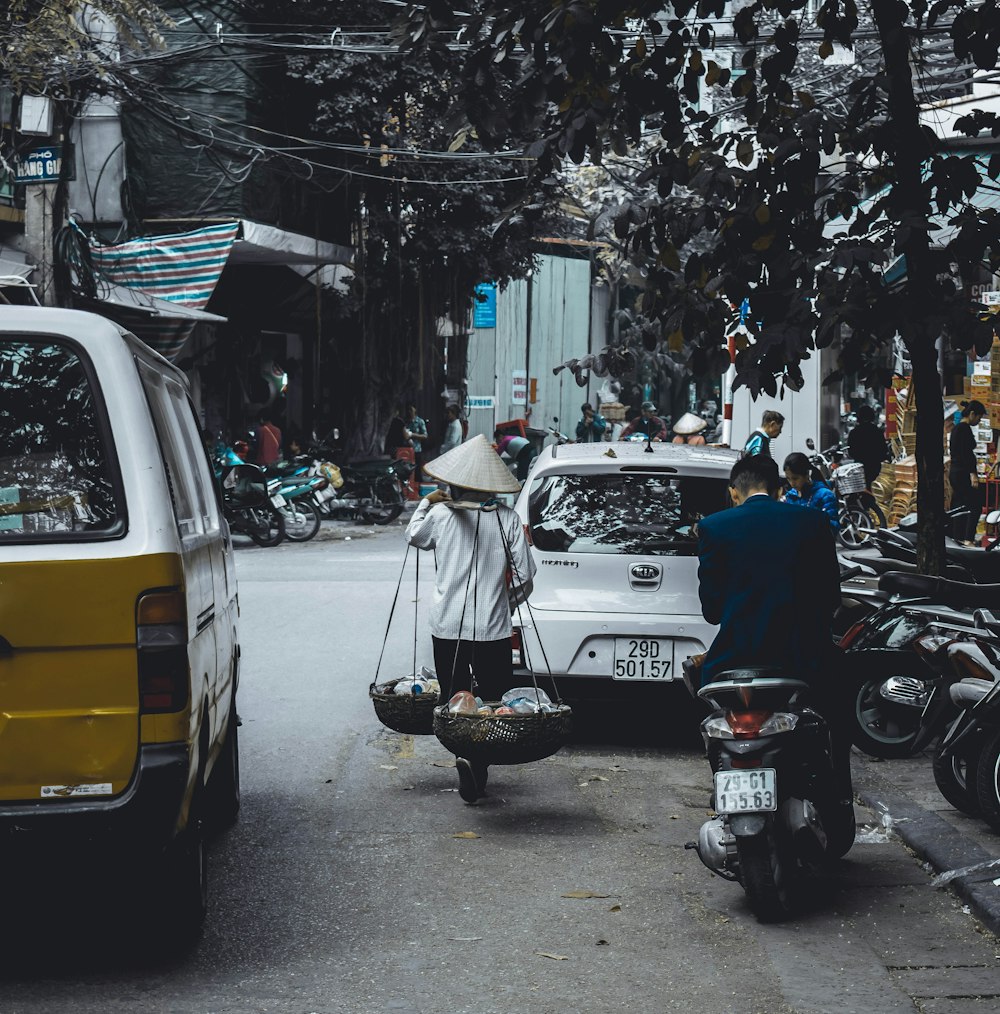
{"x": 810, "y": 443}
{"x": 993, "y": 518}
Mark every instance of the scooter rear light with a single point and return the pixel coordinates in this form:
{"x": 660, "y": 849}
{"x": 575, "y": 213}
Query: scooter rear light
{"x": 746, "y": 724}
{"x": 930, "y": 643}
{"x": 851, "y": 633}
{"x": 746, "y": 762}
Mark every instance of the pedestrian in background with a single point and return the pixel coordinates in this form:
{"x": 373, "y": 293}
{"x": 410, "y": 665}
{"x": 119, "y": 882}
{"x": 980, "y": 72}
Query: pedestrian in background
{"x": 648, "y": 423}
{"x": 590, "y": 429}
{"x": 452, "y": 430}
{"x": 268, "y": 448}
{"x": 416, "y": 433}
{"x": 689, "y": 429}
{"x": 805, "y": 491}
{"x": 866, "y": 444}
{"x": 963, "y": 471}
{"x": 759, "y": 442}
{"x": 396, "y": 435}
{"x": 518, "y": 450}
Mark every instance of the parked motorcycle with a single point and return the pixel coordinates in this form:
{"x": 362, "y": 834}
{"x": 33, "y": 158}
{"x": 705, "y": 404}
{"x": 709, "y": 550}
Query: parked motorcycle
{"x": 778, "y": 814}
{"x": 371, "y": 491}
{"x": 300, "y": 513}
{"x": 248, "y": 506}
{"x": 967, "y": 761}
{"x": 892, "y": 681}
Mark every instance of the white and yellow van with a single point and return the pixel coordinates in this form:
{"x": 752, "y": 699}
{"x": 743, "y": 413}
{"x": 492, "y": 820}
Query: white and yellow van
{"x": 119, "y": 654}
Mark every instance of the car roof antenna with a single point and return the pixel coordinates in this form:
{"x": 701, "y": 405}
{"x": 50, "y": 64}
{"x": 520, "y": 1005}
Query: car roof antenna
{"x": 649, "y": 443}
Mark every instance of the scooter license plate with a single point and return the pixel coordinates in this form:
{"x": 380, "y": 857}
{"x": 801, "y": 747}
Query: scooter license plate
{"x": 751, "y": 791}
{"x": 278, "y": 500}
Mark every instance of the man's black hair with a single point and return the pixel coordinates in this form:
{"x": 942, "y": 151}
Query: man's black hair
{"x": 754, "y": 474}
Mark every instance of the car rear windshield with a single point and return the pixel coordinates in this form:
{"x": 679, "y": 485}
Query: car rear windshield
{"x": 622, "y": 513}
{"x": 56, "y": 475}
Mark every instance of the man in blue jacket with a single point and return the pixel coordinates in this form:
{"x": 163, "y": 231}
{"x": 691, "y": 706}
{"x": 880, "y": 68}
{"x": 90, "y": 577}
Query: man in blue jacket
{"x": 768, "y": 576}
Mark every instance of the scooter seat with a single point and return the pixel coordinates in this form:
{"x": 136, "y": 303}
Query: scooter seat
{"x": 969, "y": 692}
{"x": 955, "y": 594}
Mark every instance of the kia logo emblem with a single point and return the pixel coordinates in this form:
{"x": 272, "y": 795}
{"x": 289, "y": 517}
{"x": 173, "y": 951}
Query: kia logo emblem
{"x": 645, "y": 571}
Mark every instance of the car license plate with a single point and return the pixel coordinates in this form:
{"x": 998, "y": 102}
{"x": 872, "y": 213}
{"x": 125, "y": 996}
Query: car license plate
{"x": 278, "y": 500}
{"x": 643, "y": 658}
{"x": 750, "y": 791}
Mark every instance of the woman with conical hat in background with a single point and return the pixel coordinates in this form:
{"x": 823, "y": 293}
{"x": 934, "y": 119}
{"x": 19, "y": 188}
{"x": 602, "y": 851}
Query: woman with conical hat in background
{"x": 475, "y": 540}
{"x": 688, "y": 429}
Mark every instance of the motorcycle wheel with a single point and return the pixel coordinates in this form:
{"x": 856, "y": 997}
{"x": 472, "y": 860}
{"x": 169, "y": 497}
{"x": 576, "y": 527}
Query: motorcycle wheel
{"x": 301, "y": 520}
{"x": 767, "y": 877}
{"x": 268, "y": 528}
{"x": 956, "y": 777}
{"x": 386, "y": 505}
{"x": 854, "y": 523}
{"x": 988, "y": 782}
{"x": 877, "y": 731}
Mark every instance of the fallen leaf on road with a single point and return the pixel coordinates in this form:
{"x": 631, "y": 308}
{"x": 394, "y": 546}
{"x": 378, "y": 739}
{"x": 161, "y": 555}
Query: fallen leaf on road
{"x": 443, "y": 764}
{"x": 618, "y": 768}
{"x": 466, "y": 834}
{"x": 584, "y": 894}
{"x": 554, "y": 957}
{"x": 615, "y": 908}
{"x": 600, "y": 778}
{"x": 674, "y": 816}
{"x": 389, "y": 767}
{"x": 602, "y": 943}
{"x": 583, "y": 785}
{"x": 466, "y": 940}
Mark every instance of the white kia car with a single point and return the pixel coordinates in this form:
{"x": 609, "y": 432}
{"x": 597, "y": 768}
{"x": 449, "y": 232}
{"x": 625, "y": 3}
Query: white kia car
{"x": 613, "y": 530}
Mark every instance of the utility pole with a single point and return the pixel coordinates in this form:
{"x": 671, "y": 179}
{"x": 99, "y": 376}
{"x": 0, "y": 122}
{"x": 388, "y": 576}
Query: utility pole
{"x": 39, "y": 231}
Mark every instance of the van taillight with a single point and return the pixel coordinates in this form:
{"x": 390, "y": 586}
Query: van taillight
{"x": 515, "y": 647}
{"x": 161, "y": 639}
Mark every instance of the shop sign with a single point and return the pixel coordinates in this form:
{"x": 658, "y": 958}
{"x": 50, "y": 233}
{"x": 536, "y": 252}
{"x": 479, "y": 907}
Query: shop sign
{"x": 484, "y": 311}
{"x": 479, "y": 401}
{"x": 40, "y": 165}
{"x": 519, "y": 387}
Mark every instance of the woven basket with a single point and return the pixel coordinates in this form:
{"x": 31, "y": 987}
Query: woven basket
{"x": 507, "y": 739}
{"x": 409, "y": 713}
{"x": 850, "y": 478}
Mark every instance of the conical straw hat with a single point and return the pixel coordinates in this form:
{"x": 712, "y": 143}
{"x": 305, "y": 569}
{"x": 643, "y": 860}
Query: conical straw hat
{"x": 473, "y": 465}
{"x": 689, "y": 423}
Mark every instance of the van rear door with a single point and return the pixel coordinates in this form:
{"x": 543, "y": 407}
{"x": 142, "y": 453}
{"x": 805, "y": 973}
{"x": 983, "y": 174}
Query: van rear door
{"x": 69, "y": 724}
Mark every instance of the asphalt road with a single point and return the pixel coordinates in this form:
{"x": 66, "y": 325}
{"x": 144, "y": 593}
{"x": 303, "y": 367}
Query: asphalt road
{"x": 345, "y": 889}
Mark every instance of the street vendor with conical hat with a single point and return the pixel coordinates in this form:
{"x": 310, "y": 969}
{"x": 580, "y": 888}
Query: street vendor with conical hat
{"x": 476, "y": 541}
{"x": 688, "y": 429}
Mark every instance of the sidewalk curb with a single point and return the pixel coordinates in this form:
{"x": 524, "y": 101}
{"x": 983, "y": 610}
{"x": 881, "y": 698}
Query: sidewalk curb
{"x": 944, "y": 847}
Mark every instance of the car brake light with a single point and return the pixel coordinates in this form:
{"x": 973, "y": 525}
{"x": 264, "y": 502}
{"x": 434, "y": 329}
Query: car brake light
{"x": 161, "y": 640}
{"x": 515, "y": 647}
{"x": 746, "y": 724}
{"x": 851, "y": 633}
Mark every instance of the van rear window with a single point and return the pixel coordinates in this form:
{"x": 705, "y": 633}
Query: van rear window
{"x": 55, "y": 468}
{"x": 624, "y": 514}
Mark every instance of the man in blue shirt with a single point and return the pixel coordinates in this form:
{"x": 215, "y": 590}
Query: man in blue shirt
{"x": 759, "y": 442}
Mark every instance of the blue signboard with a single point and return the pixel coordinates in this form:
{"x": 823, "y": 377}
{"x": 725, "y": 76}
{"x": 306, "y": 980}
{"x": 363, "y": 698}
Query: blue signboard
{"x": 484, "y": 312}
{"x": 41, "y": 165}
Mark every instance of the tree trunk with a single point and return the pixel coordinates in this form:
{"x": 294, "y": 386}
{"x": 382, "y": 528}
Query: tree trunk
{"x": 908, "y": 148}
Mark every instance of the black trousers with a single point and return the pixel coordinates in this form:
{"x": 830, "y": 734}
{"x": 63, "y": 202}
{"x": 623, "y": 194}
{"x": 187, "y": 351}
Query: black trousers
{"x": 964, "y": 494}
{"x": 489, "y": 661}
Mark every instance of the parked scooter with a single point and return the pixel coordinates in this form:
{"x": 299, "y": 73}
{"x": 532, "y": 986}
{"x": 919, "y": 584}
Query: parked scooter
{"x": 893, "y": 681}
{"x": 967, "y": 761}
{"x": 371, "y": 492}
{"x": 778, "y": 814}
{"x": 249, "y": 507}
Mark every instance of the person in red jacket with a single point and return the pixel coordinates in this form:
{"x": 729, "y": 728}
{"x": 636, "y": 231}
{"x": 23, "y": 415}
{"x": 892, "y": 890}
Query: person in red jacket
{"x": 268, "y": 449}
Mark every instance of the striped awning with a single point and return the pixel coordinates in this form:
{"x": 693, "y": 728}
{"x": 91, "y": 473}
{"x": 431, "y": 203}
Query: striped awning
{"x": 182, "y": 268}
